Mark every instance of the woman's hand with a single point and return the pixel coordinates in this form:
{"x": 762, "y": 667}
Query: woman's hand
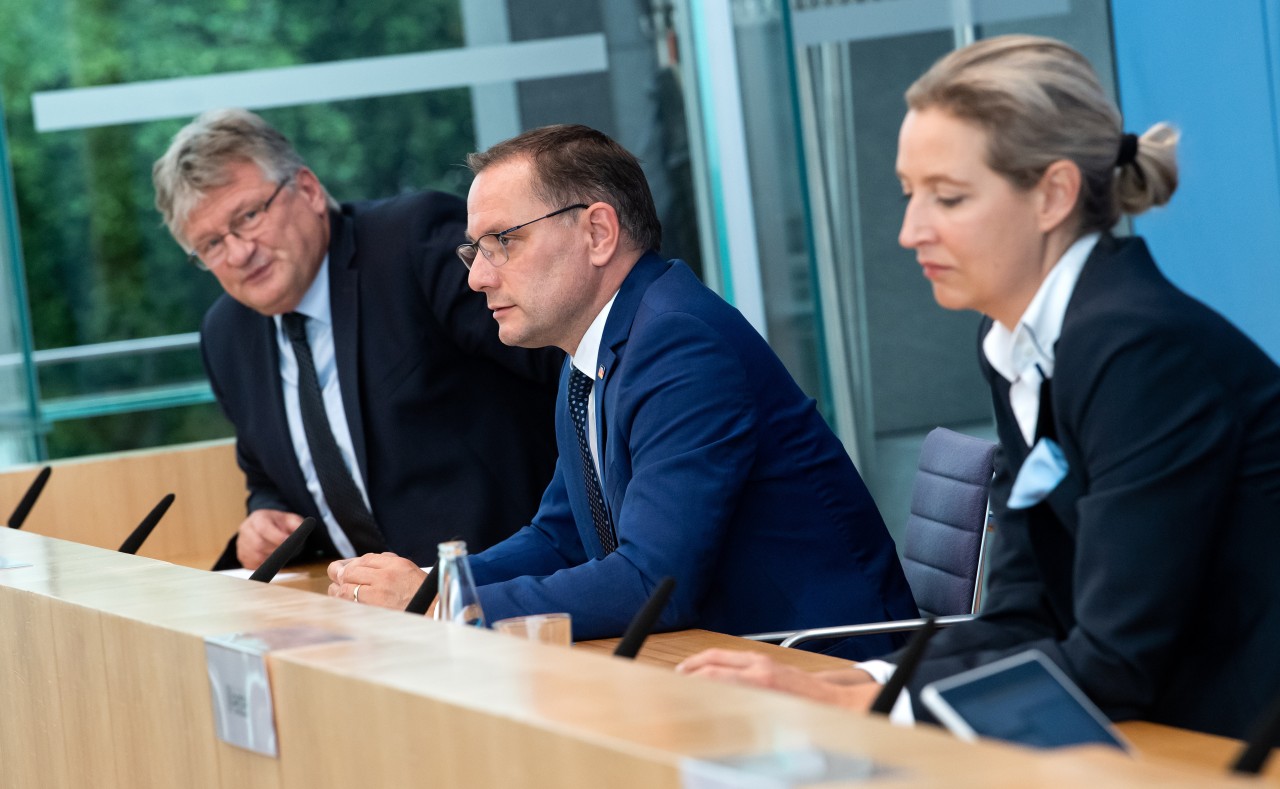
{"x": 851, "y": 688}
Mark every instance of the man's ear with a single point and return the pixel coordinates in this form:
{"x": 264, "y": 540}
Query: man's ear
{"x": 605, "y": 232}
{"x": 311, "y": 191}
{"x": 1057, "y": 192}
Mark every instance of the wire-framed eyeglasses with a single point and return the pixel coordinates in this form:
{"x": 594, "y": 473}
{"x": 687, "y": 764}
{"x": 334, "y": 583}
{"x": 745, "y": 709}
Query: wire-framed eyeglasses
{"x": 212, "y": 252}
{"x": 494, "y": 245}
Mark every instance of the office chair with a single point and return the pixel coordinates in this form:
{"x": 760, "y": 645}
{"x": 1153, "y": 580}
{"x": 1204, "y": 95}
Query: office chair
{"x": 943, "y": 542}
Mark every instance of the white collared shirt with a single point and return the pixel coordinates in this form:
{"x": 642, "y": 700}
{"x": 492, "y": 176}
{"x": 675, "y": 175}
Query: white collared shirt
{"x": 1025, "y": 356}
{"x": 585, "y": 360}
{"x": 315, "y": 305}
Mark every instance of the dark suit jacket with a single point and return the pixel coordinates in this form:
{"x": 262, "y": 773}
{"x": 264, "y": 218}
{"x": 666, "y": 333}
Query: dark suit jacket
{"x": 1149, "y": 574}
{"x": 451, "y": 428}
{"x": 718, "y": 471}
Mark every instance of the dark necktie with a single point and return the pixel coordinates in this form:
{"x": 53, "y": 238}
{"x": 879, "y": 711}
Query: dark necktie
{"x": 339, "y": 488}
{"x": 579, "y": 392}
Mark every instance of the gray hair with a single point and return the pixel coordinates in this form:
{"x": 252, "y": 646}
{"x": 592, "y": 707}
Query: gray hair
{"x": 201, "y": 152}
{"x": 1039, "y": 101}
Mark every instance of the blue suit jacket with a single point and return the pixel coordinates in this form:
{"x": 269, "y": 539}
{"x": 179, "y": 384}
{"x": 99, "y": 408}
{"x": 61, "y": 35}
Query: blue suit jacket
{"x": 718, "y": 471}
{"x": 1148, "y": 574}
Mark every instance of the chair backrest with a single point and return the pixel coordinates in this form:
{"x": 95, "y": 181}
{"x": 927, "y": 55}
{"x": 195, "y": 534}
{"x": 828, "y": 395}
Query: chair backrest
{"x": 942, "y": 546}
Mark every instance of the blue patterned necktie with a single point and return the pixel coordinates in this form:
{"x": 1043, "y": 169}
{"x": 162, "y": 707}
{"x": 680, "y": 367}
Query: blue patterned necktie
{"x": 340, "y": 491}
{"x": 579, "y": 392}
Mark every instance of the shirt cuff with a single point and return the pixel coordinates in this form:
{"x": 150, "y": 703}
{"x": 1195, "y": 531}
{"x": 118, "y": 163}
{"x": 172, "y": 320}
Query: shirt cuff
{"x": 902, "y": 713}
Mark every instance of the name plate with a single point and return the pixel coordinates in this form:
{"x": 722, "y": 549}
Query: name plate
{"x": 241, "y": 687}
{"x": 779, "y": 769}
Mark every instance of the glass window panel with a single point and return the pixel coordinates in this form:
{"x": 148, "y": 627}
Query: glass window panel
{"x": 777, "y": 188}
{"x": 18, "y": 428}
{"x": 137, "y": 430}
{"x": 101, "y": 268}
{"x": 849, "y": 311}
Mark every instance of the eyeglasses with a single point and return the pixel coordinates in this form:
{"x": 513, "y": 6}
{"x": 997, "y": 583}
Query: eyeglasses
{"x": 494, "y": 245}
{"x": 247, "y": 226}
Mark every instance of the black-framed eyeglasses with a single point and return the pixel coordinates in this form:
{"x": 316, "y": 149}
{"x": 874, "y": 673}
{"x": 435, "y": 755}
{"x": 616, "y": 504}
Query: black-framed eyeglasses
{"x": 494, "y": 245}
{"x": 212, "y": 252}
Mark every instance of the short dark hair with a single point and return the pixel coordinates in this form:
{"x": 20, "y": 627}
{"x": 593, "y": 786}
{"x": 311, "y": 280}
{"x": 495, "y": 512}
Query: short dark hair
{"x": 577, "y": 164}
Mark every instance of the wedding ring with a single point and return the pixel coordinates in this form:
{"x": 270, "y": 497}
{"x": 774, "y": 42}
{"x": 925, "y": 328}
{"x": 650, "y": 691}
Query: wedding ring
{"x": 355, "y": 593}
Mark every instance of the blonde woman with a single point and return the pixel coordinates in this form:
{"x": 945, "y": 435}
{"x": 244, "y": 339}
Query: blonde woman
{"x": 1137, "y": 491}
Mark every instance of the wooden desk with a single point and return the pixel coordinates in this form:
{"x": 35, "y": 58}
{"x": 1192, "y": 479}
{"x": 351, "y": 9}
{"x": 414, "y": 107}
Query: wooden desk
{"x": 1172, "y": 746}
{"x": 668, "y": 649}
{"x": 103, "y": 677}
{"x": 98, "y": 500}
{"x": 1152, "y": 742}
{"x": 307, "y": 577}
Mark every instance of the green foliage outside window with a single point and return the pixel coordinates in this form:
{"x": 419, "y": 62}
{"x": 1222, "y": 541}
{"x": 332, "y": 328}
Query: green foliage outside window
{"x": 99, "y": 264}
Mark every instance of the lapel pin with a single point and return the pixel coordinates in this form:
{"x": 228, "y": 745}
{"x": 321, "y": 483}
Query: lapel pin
{"x": 600, "y": 373}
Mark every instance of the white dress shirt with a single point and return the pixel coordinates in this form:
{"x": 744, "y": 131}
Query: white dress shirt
{"x": 1024, "y": 357}
{"x": 315, "y": 305}
{"x": 585, "y": 360}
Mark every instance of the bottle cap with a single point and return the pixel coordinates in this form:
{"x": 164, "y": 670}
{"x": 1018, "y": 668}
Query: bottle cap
{"x": 452, "y": 549}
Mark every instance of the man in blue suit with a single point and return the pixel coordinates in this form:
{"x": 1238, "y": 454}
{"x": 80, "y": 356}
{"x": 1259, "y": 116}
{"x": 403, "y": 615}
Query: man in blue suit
{"x": 686, "y": 449}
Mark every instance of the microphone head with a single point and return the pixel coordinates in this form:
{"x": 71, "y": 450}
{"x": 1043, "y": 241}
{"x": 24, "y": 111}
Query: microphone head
{"x": 1266, "y": 736}
{"x": 911, "y": 657}
{"x": 139, "y": 535}
{"x": 645, "y": 619}
{"x": 29, "y": 498}
{"x": 284, "y": 552}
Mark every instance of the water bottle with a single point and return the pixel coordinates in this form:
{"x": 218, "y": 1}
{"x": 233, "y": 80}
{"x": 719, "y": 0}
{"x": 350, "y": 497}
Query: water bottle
{"x": 456, "y": 599}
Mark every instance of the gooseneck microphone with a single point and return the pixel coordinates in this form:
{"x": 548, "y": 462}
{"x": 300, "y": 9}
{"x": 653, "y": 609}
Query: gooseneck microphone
{"x": 645, "y": 619}
{"x": 284, "y": 552}
{"x": 29, "y": 498}
{"x": 1253, "y": 757}
{"x": 906, "y": 669}
{"x": 139, "y": 535}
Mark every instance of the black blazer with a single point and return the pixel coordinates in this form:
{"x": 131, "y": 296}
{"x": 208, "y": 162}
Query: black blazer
{"x": 1149, "y": 574}
{"x": 452, "y": 429}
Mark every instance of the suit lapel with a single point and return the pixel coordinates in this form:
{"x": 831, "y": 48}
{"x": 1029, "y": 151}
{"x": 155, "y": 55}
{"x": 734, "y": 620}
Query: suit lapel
{"x": 617, "y": 329}
{"x": 1062, "y": 499}
{"x": 1095, "y": 282}
{"x": 344, "y": 304}
{"x": 1015, "y": 446}
{"x": 604, "y": 369}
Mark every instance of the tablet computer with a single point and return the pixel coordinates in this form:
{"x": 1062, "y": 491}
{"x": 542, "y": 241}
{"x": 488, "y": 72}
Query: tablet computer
{"x": 1024, "y": 699}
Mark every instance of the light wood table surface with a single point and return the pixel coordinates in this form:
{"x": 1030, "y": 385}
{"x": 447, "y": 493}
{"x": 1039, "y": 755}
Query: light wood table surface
{"x": 103, "y": 672}
{"x": 1160, "y": 744}
{"x": 307, "y": 577}
{"x": 1152, "y": 742}
{"x": 668, "y": 649}
{"x": 312, "y": 577}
